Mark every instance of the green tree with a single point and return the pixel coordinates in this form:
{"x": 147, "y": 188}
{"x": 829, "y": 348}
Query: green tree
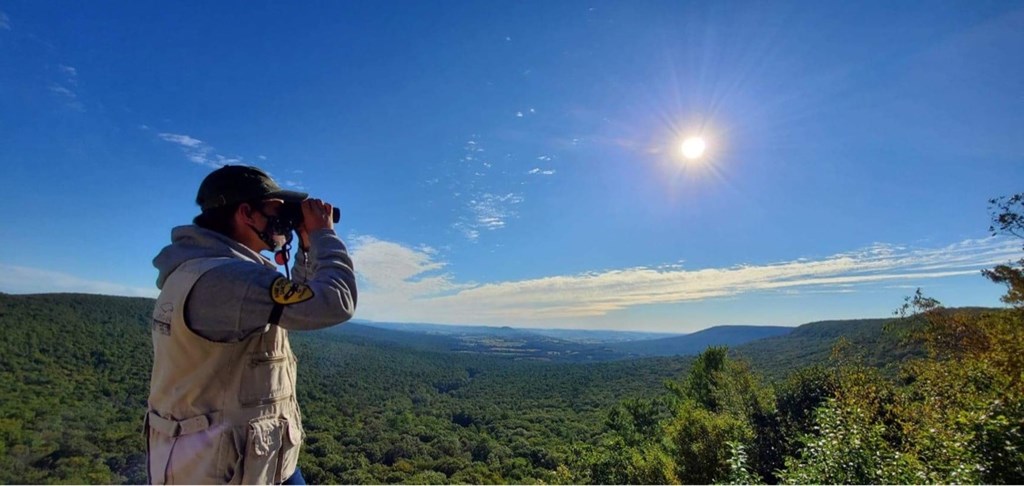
{"x": 1008, "y": 219}
{"x": 956, "y": 415}
{"x": 699, "y": 442}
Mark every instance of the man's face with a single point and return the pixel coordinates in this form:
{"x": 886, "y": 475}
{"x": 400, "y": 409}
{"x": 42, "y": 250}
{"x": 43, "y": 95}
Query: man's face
{"x": 261, "y": 217}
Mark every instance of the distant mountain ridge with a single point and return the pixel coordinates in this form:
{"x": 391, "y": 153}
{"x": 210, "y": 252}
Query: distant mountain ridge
{"x": 696, "y": 343}
{"x": 504, "y": 342}
{"x": 812, "y": 343}
{"x": 774, "y": 344}
{"x": 564, "y": 344}
{"x": 585, "y": 336}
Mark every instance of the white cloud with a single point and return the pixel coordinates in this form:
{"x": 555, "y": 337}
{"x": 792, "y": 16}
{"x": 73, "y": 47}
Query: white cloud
{"x": 62, "y": 89}
{"x": 56, "y": 88}
{"x": 391, "y": 273}
{"x": 200, "y": 152}
{"x": 27, "y": 280}
{"x": 183, "y": 140}
{"x": 538, "y": 170}
{"x": 467, "y": 231}
{"x": 472, "y": 151}
{"x": 488, "y": 212}
{"x": 69, "y": 72}
{"x": 69, "y": 96}
{"x": 485, "y": 202}
{"x": 519, "y": 114}
{"x": 411, "y": 295}
{"x": 402, "y": 283}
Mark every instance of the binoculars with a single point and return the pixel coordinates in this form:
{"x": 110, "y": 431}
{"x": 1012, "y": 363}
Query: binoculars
{"x": 289, "y": 217}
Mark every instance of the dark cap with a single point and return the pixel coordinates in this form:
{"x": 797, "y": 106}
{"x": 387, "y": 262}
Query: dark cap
{"x": 233, "y": 184}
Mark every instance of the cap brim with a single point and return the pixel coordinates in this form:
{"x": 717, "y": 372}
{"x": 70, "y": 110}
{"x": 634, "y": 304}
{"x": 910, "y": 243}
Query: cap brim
{"x": 287, "y": 196}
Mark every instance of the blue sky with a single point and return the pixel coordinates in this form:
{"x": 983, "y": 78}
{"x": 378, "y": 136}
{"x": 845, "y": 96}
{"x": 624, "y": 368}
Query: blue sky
{"x": 517, "y": 163}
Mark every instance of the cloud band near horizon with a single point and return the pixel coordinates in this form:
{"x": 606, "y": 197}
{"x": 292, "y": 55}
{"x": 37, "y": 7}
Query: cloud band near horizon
{"x": 406, "y": 284}
{"x": 399, "y": 283}
{"x": 27, "y": 280}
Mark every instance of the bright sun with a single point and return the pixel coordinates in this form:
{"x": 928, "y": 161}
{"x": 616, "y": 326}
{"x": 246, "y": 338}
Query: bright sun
{"x": 693, "y": 148}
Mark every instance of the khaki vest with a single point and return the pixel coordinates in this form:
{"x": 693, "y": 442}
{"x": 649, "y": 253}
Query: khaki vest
{"x": 218, "y": 412}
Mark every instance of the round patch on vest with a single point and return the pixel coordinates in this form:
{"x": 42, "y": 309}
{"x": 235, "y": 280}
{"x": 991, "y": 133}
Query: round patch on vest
{"x": 286, "y": 292}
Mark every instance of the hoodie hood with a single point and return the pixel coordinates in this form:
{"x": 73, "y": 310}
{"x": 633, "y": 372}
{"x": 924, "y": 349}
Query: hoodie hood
{"x": 191, "y": 242}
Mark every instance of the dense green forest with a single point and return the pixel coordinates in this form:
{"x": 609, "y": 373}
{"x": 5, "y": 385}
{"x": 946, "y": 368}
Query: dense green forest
{"x": 75, "y": 368}
{"x": 74, "y": 371}
{"x": 934, "y": 395}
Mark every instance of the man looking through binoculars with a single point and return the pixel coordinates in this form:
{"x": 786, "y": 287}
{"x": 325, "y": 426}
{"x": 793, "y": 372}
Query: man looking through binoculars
{"x": 222, "y": 403}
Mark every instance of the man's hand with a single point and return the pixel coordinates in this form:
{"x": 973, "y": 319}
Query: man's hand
{"x": 316, "y": 215}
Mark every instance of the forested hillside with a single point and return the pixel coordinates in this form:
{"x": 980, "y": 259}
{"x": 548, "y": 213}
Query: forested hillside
{"x": 813, "y": 343}
{"x": 74, "y": 376}
{"x": 697, "y": 342}
{"x": 512, "y": 343}
{"x": 74, "y": 371}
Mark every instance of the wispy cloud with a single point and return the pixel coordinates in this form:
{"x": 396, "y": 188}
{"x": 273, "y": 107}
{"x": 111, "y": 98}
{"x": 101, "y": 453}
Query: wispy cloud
{"x": 467, "y": 231}
{"x": 70, "y": 72}
{"x": 405, "y": 283}
{"x": 198, "y": 151}
{"x": 5, "y": 22}
{"x": 70, "y": 98}
{"x": 482, "y": 189}
{"x": 56, "y": 88}
{"x": 471, "y": 151}
{"x": 203, "y": 153}
{"x": 183, "y": 140}
{"x": 417, "y": 293}
{"x": 27, "y": 280}
{"x": 539, "y": 171}
{"x": 63, "y": 89}
{"x": 487, "y": 212}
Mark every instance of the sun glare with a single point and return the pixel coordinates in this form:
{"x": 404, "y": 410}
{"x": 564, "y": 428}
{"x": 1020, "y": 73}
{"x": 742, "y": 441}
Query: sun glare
{"x": 693, "y": 148}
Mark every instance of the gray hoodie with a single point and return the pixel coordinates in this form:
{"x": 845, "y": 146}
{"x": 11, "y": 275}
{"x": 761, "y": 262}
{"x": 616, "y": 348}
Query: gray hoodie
{"x": 232, "y": 300}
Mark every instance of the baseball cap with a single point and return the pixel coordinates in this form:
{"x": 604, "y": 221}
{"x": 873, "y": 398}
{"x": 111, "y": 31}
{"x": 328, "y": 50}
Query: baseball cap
{"x": 233, "y": 184}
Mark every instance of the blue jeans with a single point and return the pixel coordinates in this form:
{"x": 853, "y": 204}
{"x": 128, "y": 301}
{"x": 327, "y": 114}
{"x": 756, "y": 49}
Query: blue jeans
{"x": 295, "y": 478}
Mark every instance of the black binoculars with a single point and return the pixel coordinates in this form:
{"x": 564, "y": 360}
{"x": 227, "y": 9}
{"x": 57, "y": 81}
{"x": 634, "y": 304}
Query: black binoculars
{"x": 290, "y": 215}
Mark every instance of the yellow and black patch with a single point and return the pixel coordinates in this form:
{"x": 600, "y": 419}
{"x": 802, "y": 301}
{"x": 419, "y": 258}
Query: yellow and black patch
{"x": 286, "y": 292}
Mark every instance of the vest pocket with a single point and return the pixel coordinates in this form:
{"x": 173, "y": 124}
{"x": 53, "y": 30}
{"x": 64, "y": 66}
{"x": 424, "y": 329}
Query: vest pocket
{"x": 263, "y": 450}
{"x": 290, "y": 450}
{"x": 197, "y": 457}
{"x": 266, "y": 378}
